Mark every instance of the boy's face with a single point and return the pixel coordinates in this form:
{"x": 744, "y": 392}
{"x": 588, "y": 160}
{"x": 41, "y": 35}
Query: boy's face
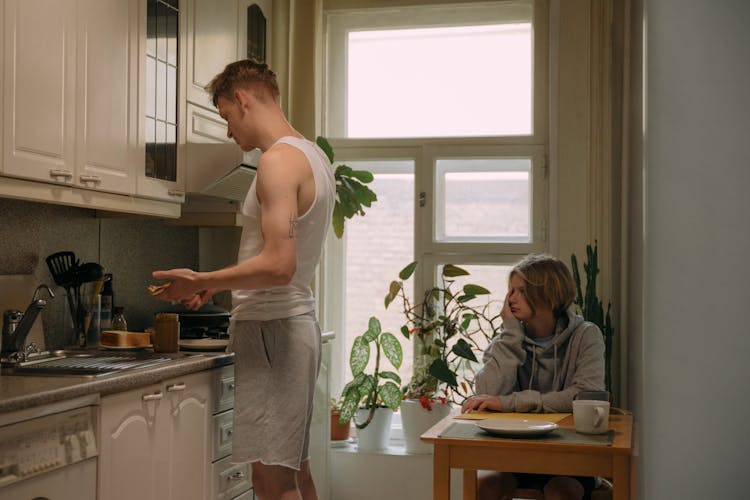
{"x": 236, "y": 117}
{"x": 517, "y": 301}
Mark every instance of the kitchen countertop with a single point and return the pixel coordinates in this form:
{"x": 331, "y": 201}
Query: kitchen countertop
{"x": 20, "y": 392}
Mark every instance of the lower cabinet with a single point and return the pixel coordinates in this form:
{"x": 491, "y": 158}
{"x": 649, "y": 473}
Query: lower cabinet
{"x": 172, "y": 441}
{"x": 155, "y": 441}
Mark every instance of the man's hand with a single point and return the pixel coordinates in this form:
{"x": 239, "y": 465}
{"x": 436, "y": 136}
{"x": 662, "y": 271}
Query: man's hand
{"x": 196, "y": 301}
{"x": 481, "y": 402}
{"x": 184, "y": 284}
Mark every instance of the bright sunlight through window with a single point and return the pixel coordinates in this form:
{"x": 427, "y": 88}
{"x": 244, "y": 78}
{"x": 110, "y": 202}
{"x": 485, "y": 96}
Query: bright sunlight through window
{"x": 440, "y": 82}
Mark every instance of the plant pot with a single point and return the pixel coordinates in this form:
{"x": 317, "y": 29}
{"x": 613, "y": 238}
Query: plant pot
{"x": 375, "y": 436}
{"x": 339, "y": 432}
{"x": 416, "y": 420}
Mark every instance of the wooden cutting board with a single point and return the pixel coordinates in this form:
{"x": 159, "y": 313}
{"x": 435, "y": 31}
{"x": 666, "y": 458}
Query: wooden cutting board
{"x": 16, "y": 291}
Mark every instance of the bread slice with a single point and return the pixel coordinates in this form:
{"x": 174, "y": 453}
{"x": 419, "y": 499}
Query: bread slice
{"x": 157, "y": 289}
{"x": 121, "y": 338}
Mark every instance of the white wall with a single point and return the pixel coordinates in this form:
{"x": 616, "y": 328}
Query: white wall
{"x": 695, "y": 361}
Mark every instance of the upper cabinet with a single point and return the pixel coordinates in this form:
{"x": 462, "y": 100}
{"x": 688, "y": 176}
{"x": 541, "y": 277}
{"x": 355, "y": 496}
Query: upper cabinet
{"x": 69, "y": 90}
{"x": 162, "y": 109}
{"x": 39, "y": 90}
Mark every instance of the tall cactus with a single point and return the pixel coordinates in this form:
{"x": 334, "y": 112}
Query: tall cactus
{"x": 591, "y": 306}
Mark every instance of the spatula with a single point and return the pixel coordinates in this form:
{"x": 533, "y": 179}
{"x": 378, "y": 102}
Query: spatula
{"x": 63, "y": 268}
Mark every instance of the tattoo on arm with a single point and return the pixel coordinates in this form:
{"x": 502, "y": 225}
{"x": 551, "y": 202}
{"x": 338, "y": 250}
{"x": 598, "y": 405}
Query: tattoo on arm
{"x": 293, "y": 227}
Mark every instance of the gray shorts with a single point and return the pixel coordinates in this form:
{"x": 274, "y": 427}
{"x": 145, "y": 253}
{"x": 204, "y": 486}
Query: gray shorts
{"x": 276, "y": 365}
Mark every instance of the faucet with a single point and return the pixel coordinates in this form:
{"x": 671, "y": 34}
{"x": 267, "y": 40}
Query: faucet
{"x": 17, "y": 325}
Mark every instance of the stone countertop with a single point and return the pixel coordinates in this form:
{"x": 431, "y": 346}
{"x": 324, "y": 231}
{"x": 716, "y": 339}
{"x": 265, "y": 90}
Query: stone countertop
{"x": 19, "y": 392}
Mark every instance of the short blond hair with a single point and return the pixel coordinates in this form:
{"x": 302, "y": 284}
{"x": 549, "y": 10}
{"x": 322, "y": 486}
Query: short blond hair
{"x": 548, "y": 281}
{"x": 246, "y": 74}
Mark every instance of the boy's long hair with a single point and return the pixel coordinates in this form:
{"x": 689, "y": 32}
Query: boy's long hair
{"x": 548, "y": 281}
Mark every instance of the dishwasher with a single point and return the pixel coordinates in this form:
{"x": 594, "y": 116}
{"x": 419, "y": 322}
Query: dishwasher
{"x": 50, "y": 456}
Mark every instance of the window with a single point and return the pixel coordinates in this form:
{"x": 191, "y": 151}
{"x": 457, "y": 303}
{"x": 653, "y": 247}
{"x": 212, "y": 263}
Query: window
{"x": 447, "y": 107}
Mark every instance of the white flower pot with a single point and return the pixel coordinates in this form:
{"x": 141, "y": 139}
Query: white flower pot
{"x": 416, "y": 420}
{"x": 375, "y": 436}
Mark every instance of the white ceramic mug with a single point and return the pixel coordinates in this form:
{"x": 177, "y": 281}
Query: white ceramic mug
{"x": 590, "y": 416}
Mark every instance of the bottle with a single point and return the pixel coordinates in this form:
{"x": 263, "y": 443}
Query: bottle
{"x": 118, "y": 319}
{"x": 107, "y": 299}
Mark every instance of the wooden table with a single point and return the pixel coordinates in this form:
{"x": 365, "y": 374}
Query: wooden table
{"x": 528, "y": 455}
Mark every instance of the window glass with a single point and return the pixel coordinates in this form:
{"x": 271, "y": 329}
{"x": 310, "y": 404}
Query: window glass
{"x": 378, "y": 246}
{"x": 483, "y": 200}
{"x": 448, "y": 81}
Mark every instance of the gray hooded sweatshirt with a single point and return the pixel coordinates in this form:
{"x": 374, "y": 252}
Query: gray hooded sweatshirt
{"x": 531, "y": 378}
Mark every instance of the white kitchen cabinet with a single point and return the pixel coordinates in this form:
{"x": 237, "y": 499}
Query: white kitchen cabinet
{"x": 155, "y": 441}
{"x": 69, "y": 91}
{"x": 39, "y": 90}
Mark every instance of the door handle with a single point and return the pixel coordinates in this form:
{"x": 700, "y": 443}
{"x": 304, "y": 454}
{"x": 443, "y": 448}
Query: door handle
{"x": 153, "y": 396}
{"x": 90, "y": 179}
{"x": 59, "y": 174}
{"x": 176, "y": 387}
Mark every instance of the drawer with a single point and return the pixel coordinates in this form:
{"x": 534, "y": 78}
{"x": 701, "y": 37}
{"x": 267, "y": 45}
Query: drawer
{"x": 222, "y": 435}
{"x": 223, "y": 388}
{"x": 230, "y": 480}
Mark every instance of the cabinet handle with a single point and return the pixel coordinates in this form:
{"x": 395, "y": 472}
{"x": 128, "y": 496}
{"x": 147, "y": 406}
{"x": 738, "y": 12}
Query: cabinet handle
{"x": 236, "y": 476}
{"x": 57, "y": 174}
{"x": 176, "y": 192}
{"x": 152, "y": 397}
{"x": 91, "y": 179}
{"x": 176, "y": 387}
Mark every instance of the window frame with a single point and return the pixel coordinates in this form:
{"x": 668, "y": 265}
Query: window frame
{"x": 425, "y": 151}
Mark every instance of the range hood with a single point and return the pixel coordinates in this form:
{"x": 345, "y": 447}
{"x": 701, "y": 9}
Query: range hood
{"x": 218, "y": 179}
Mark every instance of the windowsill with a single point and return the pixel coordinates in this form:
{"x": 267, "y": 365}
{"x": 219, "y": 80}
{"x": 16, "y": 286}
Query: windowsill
{"x": 396, "y": 447}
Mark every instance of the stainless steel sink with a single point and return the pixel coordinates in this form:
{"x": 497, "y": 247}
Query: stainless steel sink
{"x": 70, "y": 363}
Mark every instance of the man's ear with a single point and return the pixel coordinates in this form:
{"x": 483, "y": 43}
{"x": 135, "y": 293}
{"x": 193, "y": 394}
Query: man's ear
{"x": 242, "y": 98}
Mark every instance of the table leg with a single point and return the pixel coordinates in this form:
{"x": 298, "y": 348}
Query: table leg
{"x": 621, "y": 478}
{"x": 470, "y": 484}
{"x": 441, "y": 473}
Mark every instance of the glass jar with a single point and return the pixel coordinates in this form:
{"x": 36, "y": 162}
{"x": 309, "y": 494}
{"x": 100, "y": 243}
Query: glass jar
{"x": 118, "y": 319}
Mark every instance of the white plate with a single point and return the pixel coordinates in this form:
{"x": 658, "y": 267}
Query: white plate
{"x": 204, "y": 344}
{"x": 126, "y": 347}
{"x": 516, "y": 426}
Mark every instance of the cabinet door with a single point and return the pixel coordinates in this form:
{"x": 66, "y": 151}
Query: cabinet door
{"x": 106, "y": 125}
{"x": 188, "y": 412}
{"x": 39, "y": 89}
{"x": 213, "y": 31}
{"x": 132, "y": 462}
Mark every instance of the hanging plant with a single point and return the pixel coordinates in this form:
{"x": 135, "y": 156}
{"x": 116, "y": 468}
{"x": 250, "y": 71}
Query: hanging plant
{"x": 352, "y": 195}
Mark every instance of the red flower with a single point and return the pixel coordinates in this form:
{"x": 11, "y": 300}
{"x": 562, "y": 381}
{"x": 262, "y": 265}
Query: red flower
{"x": 425, "y": 402}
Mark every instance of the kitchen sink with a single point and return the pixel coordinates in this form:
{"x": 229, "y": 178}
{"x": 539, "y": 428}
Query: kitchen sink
{"x": 71, "y": 363}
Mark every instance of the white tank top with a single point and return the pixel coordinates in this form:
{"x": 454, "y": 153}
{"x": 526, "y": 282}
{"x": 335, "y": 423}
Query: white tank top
{"x": 296, "y": 297}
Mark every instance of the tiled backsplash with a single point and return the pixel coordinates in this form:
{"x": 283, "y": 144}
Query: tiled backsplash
{"x": 129, "y": 248}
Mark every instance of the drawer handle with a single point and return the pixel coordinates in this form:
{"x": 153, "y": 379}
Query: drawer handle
{"x": 231, "y": 386}
{"x": 57, "y": 174}
{"x": 176, "y": 192}
{"x": 152, "y": 397}
{"x": 176, "y": 387}
{"x": 236, "y": 476}
{"x": 90, "y": 179}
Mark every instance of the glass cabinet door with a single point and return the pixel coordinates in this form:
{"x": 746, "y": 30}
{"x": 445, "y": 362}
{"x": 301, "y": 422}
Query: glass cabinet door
{"x": 161, "y": 89}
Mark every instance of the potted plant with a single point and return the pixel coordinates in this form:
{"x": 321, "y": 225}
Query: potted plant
{"x": 339, "y": 430}
{"x": 370, "y": 399}
{"x": 444, "y": 326}
{"x": 351, "y": 193}
{"x": 589, "y": 305}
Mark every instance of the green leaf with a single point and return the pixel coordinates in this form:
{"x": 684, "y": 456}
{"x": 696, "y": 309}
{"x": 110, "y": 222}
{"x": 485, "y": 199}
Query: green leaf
{"x": 360, "y": 355}
{"x": 367, "y": 387}
{"x": 323, "y": 144}
{"x": 338, "y": 220}
{"x": 466, "y": 321}
{"x": 349, "y": 406}
{"x": 475, "y": 290}
{"x": 393, "y": 290}
{"x": 362, "y": 176}
{"x": 390, "y": 394}
{"x": 392, "y": 376}
{"x": 465, "y": 298}
{"x": 462, "y": 349}
{"x": 343, "y": 171}
{"x": 374, "y": 326}
{"x": 392, "y": 349}
{"x": 440, "y": 370}
{"x": 451, "y": 271}
{"x": 405, "y": 331}
{"x": 406, "y": 272}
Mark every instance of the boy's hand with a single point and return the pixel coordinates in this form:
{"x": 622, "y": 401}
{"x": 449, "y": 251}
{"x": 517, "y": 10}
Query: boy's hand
{"x": 481, "y": 402}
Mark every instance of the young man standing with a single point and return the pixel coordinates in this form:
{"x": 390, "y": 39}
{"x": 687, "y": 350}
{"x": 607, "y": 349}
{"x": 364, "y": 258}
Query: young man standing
{"x": 274, "y": 333}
